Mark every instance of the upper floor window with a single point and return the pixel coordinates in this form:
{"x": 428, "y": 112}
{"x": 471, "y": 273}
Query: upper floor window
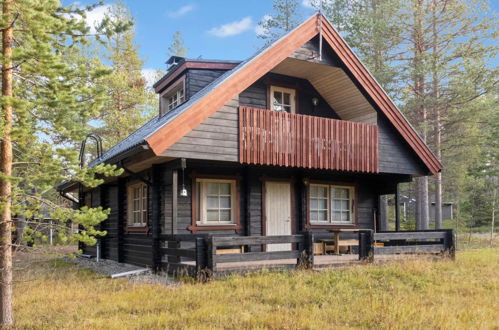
{"x": 173, "y": 96}
{"x": 331, "y": 204}
{"x": 283, "y": 99}
{"x": 176, "y": 99}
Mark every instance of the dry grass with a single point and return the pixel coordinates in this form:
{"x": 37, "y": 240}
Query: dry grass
{"x": 413, "y": 294}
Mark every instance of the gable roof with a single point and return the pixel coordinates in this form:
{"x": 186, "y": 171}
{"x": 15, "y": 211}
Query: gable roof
{"x": 162, "y": 132}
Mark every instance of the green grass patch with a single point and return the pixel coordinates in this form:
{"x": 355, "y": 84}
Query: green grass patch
{"x": 413, "y": 294}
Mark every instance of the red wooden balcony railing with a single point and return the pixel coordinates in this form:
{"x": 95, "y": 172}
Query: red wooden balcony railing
{"x": 279, "y": 138}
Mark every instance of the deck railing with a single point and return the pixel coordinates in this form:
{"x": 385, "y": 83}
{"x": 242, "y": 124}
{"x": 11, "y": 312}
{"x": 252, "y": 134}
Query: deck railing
{"x": 197, "y": 255}
{"x": 284, "y": 139}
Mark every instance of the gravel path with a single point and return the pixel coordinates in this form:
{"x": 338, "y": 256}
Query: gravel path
{"x": 110, "y": 267}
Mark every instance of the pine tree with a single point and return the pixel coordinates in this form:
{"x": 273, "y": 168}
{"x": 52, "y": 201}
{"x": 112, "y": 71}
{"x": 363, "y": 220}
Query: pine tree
{"x": 177, "y": 47}
{"x": 130, "y": 103}
{"x": 283, "y": 19}
{"x": 49, "y": 93}
{"x": 447, "y": 59}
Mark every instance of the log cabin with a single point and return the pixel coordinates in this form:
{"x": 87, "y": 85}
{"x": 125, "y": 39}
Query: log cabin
{"x": 299, "y": 138}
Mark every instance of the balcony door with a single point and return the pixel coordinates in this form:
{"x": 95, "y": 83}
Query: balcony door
{"x": 278, "y": 212}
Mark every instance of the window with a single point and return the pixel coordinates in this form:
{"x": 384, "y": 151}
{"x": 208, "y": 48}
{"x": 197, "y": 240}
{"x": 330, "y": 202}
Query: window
{"x": 175, "y": 99}
{"x": 173, "y": 96}
{"x": 137, "y": 205}
{"x": 282, "y": 99}
{"x": 331, "y": 204}
{"x": 215, "y": 201}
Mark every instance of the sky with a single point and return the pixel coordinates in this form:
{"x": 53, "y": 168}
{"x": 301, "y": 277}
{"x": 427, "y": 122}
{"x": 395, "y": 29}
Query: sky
{"x": 212, "y": 29}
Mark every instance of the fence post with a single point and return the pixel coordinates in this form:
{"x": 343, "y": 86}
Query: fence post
{"x": 366, "y": 245}
{"x": 200, "y": 254}
{"x": 211, "y": 251}
{"x": 450, "y": 244}
{"x": 309, "y": 248}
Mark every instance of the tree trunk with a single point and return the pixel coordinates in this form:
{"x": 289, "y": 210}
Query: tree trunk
{"x": 436, "y": 123}
{"x": 421, "y": 112}
{"x": 6, "y": 169}
{"x": 422, "y": 203}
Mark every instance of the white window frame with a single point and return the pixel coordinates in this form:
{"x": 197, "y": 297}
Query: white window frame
{"x": 202, "y": 202}
{"x": 283, "y": 90}
{"x": 173, "y": 96}
{"x": 330, "y": 205}
{"x": 328, "y": 190}
{"x": 138, "y": 206}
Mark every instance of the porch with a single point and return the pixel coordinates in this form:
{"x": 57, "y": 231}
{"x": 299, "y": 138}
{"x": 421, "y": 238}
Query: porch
{"x": 202, "y": 255}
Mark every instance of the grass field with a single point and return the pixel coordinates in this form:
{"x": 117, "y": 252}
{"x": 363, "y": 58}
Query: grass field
{"x": 414, "y": 294}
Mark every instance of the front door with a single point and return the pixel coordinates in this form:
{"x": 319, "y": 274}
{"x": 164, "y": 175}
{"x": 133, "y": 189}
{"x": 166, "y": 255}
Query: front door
{"x": 278, "y": 212}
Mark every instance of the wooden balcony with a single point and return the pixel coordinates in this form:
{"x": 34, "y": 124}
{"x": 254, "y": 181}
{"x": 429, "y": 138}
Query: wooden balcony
{"x": 283, "y": 139}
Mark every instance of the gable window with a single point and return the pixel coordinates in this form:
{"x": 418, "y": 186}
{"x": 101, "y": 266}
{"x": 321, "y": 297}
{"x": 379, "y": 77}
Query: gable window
{"x": 137, "y": 205}
{"x": 282, "y": 99}
{"x": 173, "y": 96}
{"x": 216, "y": 201}
{"x": 331, "y": 204}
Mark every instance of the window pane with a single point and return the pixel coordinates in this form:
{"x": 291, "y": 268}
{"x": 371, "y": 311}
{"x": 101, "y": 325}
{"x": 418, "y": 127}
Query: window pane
{"x": 345, "y": 205}
{"x": 314, "y": 215}
{"x": 212, "y": 202}
{"x": 336, "y": 216}
{"x": 322, "y": 216}
{"x": 277, "y": 97}
{"x": 225, "y": 215}
{"x": 287, "y": 109}
{"x": 212, "y": 188}
{"x": 225, "y": 202}
{"x": 287, "y": 99}
{"x": 336, "y": 205}
{"x": 313, "y": 204}
{"x": 322, "y": 204}
{"x": 313, "y": 191}
{"x": 322, "y": 192}
{"x": 224, "y": 188}
{"x": 345, "y": 216}
{"x": 212, "y": 215}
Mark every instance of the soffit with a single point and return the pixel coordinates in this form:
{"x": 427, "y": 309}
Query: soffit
{"x": 334, "y": 86}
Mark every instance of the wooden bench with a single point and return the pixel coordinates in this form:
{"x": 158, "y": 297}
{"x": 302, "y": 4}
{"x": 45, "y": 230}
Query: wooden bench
{"x": 344, "y": 244}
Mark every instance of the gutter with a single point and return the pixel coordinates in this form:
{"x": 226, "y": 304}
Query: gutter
{"x": 113, "y": 160}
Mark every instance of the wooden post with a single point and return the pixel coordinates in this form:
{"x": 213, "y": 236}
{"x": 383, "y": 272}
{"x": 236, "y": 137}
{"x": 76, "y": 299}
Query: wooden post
{"x": 450, "y": 244}
{"x": 174, "y": 201}
{"x": 397, "y": 208}
{"x": 201, "y": 260}
{"x": 211, "y": 250}
{"x": 155, "y": 215}
{"x": 121, "y": 217}
{"x": 366, "y": 245}
{"x": 309, "y": 248}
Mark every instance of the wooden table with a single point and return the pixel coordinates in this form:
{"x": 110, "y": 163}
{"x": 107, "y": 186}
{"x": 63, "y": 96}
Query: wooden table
{"x": 336, "y": 233}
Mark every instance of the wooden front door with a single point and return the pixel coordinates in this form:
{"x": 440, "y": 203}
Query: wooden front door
{"x": 278, "y": 212}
